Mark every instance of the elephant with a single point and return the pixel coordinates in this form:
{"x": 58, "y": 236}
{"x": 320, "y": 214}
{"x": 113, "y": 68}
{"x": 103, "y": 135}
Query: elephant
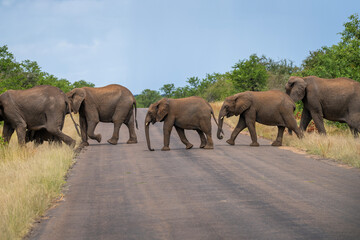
{"x": 113, "y": 103}
{"x": 41, "y": 107}
{"x": 333, "y": 99}
{"x": 39, "y": 136}
{"x": 192, "y": 113}
{"x": 273, "y": 108}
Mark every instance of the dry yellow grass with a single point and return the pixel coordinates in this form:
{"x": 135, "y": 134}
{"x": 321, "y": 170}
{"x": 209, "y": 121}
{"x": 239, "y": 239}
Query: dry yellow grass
{"x": 338, "y": 144}
{"x": 31, "y": 178}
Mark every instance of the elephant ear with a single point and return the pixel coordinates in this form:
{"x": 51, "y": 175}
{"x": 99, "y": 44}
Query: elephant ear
{"x": 295, "y": 88}
{"x": 243, "y": 102}
{"x": 76, "y": 97}
{"x": 162, "y": 110}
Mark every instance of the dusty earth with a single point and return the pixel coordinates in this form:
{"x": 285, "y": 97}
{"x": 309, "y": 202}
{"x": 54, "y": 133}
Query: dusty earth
{"x": 231, "y": 192}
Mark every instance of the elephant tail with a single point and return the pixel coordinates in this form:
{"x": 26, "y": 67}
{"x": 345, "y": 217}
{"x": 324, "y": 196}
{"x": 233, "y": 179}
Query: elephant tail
{"x": 212, "y": 113}
{"x": 136, "y": 123}
{"x": 75, "y": 123}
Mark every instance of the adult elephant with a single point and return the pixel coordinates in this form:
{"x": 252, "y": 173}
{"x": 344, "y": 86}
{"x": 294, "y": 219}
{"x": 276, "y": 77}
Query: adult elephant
{"x": 272, "y": 108}
{"x": 192, "y": 113}
{"x": 113, "y": 103}
{"x": 333, "y": 99}
{"x": 41, "y": 107}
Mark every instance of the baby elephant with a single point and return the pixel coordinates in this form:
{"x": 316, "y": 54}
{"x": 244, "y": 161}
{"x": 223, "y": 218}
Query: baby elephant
{"x": 39, "y": 136}
{"x": 185, "y": 113}
{"x": 272, "y": 108}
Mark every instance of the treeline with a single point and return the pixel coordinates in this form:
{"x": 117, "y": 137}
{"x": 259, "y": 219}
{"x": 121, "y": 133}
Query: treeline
{"x": 27, "y": 74}
{"x": 258, "y": 73}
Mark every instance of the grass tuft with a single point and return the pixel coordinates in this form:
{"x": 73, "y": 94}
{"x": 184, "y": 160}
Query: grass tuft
{"x": 31, "y": 178}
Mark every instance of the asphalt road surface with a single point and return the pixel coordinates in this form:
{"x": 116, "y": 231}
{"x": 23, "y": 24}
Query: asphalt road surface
{"x": 231, "y": 192}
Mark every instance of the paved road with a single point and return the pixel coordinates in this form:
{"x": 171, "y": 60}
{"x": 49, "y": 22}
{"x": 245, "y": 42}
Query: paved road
{"x": 231, "y": 192}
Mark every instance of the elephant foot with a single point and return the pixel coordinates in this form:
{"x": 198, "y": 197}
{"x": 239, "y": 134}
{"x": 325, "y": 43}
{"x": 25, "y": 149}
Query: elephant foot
{"x": 84, "y": 144}
{"x": 254, "y": 144}
{"x": 97, "y": 137}
{"x": 112, "y": 141}
{"x": 276, "y": 144}
{"x": 132, "y": 141}
{"x": 188, "y": 146}
{"x": 209, "y": 147}
{"x": 165, "y": 149}
{"x": 230, "y": 141}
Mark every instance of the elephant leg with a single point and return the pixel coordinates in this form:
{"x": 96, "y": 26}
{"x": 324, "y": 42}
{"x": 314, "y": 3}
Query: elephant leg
{"x": 38, "y": 140}
{"x": 305, "y": 119}
{"x": 131, "y": 126}
{"x": 354, "y": 132}
{"x": 54, "y": 140}
{"x": 8, "y": 130}
{"x": 118, "y": 118}
{"x": 354, "y": 124}
{"x": 202, "y": 138}
{"x": 250, "y": 123}
{"x": 319, "y": 122}
{"x": 278, "y": 141}
{"x": 167, "y": 132}
{"x": 28, "y": 137}
{"x": 90, "y": 131}
{"x": 291, "y": 124}
{"x": 206, "y": 128}
{"x": 209, "y": 142}
{"x": 239, "y": 127}
{"x": 58, "y": 133}
{"x": 115, "y": 137}
{"x": 21, "y": 133}
{"x": 84, "y": 129}
{"x": 183, "y": 138}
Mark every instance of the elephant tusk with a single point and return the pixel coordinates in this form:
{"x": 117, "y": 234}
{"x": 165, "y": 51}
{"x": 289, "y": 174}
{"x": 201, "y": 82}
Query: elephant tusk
{"x": 147, "y": 123}
{"x": 222, "y": 118}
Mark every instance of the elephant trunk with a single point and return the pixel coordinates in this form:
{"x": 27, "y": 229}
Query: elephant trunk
{"x": 147, "y": 125}
{"x": 220, "y": 121}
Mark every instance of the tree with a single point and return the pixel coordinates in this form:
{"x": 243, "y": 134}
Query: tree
{"x": 31, "y": 74}
{"x": 219, "y": 90}
{"x": 339, "y": 60}
{"x": 351, "y": 33}
{"x": 82, "y": 83}
{"x": 147, "y": 97}
{"x": 9, "y": 70}
{"x": 193, "y": 86}
{"x": 279, "y": 72}
{"x": 7, "y": 62}
{"x": 249, "y": 74}
{"x": 168, "y": 90}
{"x": 182, "y": 92}
{"x": 27, "y": 74}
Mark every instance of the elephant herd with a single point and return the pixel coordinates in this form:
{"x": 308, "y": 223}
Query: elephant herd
{"x": 38, "y": 114}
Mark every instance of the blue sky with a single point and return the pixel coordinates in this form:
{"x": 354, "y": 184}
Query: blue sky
{"x": 147, "y": 43}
